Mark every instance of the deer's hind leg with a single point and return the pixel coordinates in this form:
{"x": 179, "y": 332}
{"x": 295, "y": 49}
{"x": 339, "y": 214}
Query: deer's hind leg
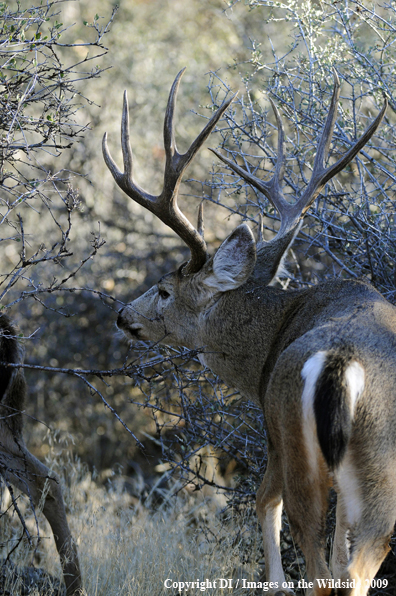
{"x": 269, "y": 506}
{"x": 22, "y": 470}
{"x": 305, "y": 476}
{"x": 371, "y": 519}
{"x": 340, "y": 551}
{"x": 306, "y": 504}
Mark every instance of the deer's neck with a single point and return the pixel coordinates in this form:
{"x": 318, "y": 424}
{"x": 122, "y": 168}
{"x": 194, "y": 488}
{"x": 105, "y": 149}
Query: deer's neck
{"x": 246, "y": 330}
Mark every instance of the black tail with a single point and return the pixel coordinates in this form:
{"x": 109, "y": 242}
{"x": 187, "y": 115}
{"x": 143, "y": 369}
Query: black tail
{"x": 332, "y": 409}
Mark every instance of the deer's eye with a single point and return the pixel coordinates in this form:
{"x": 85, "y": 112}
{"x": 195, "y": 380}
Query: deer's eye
{"x": 163, "y": 294}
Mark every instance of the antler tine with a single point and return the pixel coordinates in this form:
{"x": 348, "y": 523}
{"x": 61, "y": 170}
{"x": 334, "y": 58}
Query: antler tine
{"x": 327, "y": 134}
{"x": 321, "y": 175}
{"x": 119, "y": 177}
{"x": 272, "y": 188}
{"x": 200, "y": 224}
{"x": 280, "y": 162}
{"x": 125, "y": 142}
{"x": 181, "y": 161}
{"x": 291, "y": 214}
{"x": 124, "y": 179}
{"x": 164, "y": 205}
{"x": 109, "y": 161}
{"x": 169, "y": 128}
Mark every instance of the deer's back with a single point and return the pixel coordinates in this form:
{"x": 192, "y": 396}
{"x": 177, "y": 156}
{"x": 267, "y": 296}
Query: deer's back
{"x": 356, "y": 323}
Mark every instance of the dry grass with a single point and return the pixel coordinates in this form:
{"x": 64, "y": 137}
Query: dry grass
{"x": 129, "y": 548}
{"x": 126, "y": 548}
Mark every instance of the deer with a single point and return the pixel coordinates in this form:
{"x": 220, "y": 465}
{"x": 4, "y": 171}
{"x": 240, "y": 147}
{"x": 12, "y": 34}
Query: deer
{"x": 19, "y": 468}
{"x": 321, "y": 361}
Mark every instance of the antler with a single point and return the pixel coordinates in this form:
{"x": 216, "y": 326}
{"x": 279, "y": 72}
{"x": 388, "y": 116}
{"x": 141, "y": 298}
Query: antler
{"x": 291, "y": 214}
{"x": 165, "y": 206}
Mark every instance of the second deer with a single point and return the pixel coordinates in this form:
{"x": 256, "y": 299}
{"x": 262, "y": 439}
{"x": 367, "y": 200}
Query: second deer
{"x": 19, "y": 468}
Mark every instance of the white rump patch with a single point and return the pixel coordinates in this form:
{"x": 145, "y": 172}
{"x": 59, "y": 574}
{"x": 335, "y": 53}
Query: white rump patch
{"x": 355, "y": 377}
{"x": 310, "y": 374}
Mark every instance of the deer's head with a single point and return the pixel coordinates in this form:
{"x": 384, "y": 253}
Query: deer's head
{"x": 171, "y": 310}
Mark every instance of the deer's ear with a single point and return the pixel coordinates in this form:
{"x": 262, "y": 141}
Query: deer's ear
{"x": 234, "y": 261}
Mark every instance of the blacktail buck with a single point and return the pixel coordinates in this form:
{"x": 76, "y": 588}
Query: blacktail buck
{"x": 321, "y": 362}
{"x": 19, "y": 468}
